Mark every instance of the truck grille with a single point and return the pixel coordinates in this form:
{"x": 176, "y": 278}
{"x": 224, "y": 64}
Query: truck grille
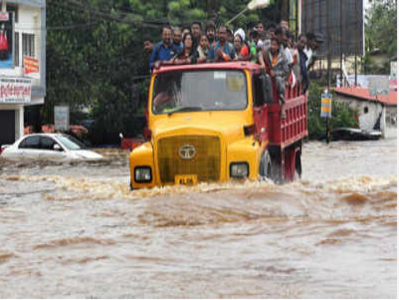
{"x": 205, "y": 163}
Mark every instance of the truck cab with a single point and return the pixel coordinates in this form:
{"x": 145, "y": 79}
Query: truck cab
{"x": 215, "y": 123}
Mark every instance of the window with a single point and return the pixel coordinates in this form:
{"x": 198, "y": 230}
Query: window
{"x": 263, "y": 90}
{"x": 32, "y": 142}
{"x": 16, "y": 54}
{"x": 210, "y": 90}
{"x": 47, "y": 143}
{"x": 28, "y": 45}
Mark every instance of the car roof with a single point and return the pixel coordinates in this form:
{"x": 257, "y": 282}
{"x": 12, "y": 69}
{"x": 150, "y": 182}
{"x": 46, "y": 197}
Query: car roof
{"x": 45, "y": 134}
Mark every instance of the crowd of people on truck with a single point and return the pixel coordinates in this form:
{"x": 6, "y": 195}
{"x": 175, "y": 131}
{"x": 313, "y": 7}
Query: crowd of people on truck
{"x": 275, "y": 48}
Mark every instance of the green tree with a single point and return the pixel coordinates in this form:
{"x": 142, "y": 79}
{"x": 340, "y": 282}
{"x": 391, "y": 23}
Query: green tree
{"x": 95, "y": 58}
{"x": 381, "y": 27}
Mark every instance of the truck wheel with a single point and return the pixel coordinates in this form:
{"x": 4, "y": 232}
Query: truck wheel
{"x": 265, "y": 168}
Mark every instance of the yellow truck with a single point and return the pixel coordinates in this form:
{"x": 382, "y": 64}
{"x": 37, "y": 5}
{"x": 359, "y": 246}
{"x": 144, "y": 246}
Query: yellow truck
{"x": 217, "y": 122}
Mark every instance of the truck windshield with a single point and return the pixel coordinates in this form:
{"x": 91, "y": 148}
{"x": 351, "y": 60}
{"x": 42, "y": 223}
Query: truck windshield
{"x": 187, "y": 91}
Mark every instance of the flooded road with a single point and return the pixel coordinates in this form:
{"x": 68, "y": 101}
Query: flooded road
{"x": 75, "y": 230}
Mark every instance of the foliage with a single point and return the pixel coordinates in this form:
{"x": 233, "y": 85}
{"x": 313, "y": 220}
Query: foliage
{"x": 95, "y": 57}
{"x": 342, "y": 115}
{"x": 381, "y": 30}
{"x": 381, "y": 35}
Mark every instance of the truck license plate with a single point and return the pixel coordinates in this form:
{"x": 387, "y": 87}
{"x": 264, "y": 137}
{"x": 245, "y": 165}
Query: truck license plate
{"x": 186, "y": 179}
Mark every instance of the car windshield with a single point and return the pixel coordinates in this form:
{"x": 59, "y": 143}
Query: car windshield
{"x": 71, "y": 143}
{"x": 186, "y": 91}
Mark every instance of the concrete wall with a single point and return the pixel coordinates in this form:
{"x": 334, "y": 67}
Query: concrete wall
{"x": 368, "y": 111}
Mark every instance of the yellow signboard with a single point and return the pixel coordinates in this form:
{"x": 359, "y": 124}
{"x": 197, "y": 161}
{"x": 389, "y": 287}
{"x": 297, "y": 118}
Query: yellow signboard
{"x": 326, "y": 105}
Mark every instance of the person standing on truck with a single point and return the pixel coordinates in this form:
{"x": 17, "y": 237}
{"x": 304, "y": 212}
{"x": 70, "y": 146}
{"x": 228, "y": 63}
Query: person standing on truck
{"x": 189, "y": 54}
{"x": 210, "y": 30}
{"x": 203, "y": 49}
{"x": 275, "y": 62}
{"x": 242, "y": 50}
{"x": 222, "y": 51}
{"x": 302, "y": 61}
{"x": 196, "y": 30}
{"x": 177, "y": 37}
{"x": 164, "y": 50}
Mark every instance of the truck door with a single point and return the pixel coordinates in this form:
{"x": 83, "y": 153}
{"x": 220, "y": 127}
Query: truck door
{"x": 261, "y": 98}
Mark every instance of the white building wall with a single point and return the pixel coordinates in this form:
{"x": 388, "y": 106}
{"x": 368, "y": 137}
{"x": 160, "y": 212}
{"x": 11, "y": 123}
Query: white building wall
{"x": 29, "y": 22}
{"x": 368, "y": 112}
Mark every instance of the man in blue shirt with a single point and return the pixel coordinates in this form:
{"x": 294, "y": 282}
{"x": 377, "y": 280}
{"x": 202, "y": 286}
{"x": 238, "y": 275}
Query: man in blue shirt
{"x": 163, "y": 51}
{"x": 222, "y": 50}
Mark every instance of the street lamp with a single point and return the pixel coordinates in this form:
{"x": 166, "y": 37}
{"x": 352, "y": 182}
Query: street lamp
{"x": 254, "y": 4}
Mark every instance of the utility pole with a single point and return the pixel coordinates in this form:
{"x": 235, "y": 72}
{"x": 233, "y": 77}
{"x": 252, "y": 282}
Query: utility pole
{"x": 341, "y": 41}
{"x": 329, "y": 65}
{"x": 4, "y": 5}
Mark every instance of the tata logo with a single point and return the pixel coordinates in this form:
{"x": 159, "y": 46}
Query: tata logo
{"x": 187, "y": 152}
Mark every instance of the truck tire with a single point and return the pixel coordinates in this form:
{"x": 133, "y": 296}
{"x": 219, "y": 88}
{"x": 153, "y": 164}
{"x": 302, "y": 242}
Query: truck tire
{"x": 265, "y": 168}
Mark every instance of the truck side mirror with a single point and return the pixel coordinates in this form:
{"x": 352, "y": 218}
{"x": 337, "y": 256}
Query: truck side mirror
{"x": 267, "y": 88}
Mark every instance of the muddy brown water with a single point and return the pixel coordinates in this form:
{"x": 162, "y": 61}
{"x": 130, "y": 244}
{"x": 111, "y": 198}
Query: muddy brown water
{"x": 74, "y": 230}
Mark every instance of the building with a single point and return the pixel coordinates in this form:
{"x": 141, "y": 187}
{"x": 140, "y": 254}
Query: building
{"x": 22, "y": 63}
{"x": 372, "y": 111}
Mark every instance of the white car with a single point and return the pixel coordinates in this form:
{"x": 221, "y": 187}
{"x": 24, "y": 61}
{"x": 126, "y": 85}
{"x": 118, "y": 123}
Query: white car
{"x": 52, "y": 146}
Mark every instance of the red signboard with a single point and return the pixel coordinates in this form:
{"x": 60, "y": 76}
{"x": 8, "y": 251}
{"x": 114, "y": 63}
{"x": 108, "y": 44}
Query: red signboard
{"x": 4, "y": 16}
{"x": 31, "y": 65}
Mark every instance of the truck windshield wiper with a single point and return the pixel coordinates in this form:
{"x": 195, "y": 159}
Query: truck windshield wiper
{"x": 185, "y": 109}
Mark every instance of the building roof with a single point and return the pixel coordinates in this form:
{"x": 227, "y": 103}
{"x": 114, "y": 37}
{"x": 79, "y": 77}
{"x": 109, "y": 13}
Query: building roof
{"x": 364, "y": 94}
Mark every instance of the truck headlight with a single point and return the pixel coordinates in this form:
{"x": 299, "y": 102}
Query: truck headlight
{"x": 239, "y": 170}
{"x": 142, "y": 174}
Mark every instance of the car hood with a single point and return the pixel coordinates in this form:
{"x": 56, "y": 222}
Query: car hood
{"x": 230, "y": 126}
{"x": 86, "y": 155}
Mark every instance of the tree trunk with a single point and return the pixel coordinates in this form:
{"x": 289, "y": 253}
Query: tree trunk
{"x": 284, "y": 10}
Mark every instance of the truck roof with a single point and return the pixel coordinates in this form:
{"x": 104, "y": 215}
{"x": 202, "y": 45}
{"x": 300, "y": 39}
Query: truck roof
{"x": 237, "y": 65}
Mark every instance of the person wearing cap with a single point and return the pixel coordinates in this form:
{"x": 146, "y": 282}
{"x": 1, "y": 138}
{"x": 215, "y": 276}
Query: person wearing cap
{"x": 222, "y": 50}
{"x": 314, "y": 44}
{"x": 242, "y": 51}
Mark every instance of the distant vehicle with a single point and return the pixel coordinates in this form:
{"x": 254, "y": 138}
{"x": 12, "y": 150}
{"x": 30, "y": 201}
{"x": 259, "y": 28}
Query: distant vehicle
{"x": 52, "y": 146}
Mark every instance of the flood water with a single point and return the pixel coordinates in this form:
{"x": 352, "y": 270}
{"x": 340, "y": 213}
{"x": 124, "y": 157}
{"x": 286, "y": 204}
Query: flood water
{"x": 74, "y": 230}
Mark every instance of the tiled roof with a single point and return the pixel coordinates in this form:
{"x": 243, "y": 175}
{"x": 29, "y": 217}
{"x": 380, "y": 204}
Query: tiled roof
{"x": 364, "y": 94}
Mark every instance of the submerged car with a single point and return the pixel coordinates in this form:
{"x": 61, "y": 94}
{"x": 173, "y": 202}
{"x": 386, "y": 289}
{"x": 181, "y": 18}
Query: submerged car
{"x": 53, "y": 146}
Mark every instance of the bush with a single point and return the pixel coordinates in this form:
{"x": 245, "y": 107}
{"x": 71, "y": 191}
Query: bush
{"x": 342, "y": 114}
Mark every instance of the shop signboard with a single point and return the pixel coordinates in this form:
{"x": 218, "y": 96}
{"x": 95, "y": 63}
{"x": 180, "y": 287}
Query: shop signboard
{"x": 15, "y": 90}
{"x": 31, "y": 67}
